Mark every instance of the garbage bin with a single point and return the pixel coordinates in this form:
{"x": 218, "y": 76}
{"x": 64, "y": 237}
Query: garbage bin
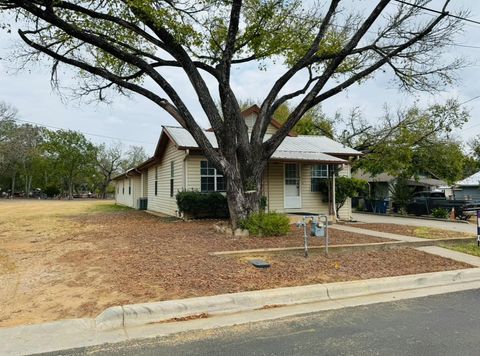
{"x": 381, "y": 206}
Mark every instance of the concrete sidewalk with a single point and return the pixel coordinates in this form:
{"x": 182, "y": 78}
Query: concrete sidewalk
{"x": 453, "y": 255}
{"x": 385, "y": 235}
{"x": 411, "y": 221}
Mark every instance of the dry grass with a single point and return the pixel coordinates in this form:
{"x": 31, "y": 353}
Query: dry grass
{"x": 62, "y": 259}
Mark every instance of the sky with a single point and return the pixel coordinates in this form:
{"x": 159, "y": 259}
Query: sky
{"x": 137, "y": 121}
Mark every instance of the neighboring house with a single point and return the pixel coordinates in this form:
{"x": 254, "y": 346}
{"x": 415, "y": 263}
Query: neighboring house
{"x": 290, "y": 183}
{"x": 469, "y": 188}
{"x": 380, "y": 188}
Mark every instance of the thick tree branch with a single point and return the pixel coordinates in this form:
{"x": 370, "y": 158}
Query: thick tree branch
{"x": 266, "y": 112}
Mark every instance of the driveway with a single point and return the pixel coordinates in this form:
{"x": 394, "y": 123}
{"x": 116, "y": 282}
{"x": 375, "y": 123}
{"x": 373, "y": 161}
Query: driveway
{"x": 446, "y": 225}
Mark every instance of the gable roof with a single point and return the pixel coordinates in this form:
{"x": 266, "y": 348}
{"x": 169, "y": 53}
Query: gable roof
{"x": 302, "y": 148}
{"x": 472, "y": 181}
{"x": 254, "y": 109}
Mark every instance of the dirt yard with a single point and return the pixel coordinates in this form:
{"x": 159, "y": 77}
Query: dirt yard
{"x": 73, "y": 259}
{"x": 415, "y": 231}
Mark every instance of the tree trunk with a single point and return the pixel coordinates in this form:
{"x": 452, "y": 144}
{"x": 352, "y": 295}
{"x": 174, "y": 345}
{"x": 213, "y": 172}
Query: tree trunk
{"x": 70, "y": 189}
{"x": 242, "y": 202}
{"x": 12, "y": 193}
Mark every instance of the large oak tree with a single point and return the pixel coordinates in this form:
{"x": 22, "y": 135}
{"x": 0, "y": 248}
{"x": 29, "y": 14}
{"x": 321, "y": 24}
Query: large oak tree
{"x": 325, "y": 46}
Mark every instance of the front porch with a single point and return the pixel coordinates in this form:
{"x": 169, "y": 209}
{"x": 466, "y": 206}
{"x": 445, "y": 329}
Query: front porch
{"x": 294, "y": 187}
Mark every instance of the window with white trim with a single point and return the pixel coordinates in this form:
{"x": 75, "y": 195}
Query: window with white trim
{"x": 156, "y": 181}
{"x": 319, "y": 172}
{"x": 210, "y": 179}
{"x": 129, "y": 186}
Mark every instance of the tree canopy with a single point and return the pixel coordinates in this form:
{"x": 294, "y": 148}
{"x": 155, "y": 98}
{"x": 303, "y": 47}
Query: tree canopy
{"x": 411, "y": 142}
{"x": 63, "y": 161}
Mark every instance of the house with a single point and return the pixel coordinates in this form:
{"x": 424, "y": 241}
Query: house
{"x": 380, "y": 189}
{"x": 468, "y": 188}
{"x": 290, "y": 183}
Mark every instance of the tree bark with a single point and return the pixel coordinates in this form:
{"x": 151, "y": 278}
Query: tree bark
{"x": 13, "y": 185}
{"x": 244, "y": 190}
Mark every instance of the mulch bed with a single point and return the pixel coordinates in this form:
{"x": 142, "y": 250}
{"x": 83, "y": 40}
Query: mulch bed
{"x": 415, "y": 231}
{"x": 173, "y": 256}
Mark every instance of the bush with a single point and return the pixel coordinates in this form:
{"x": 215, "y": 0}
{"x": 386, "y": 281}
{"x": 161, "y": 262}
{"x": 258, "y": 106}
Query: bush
{"x": 263, "y": 203}
{"x": 266, "y": 224}
{"x": 202, "y": 205}
{"x": 440, "y": 213}
{"x": 51, "y": 191}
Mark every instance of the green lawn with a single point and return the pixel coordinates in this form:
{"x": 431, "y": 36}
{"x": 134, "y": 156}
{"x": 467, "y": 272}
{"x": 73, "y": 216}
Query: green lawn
{"x": 466, "y": 247}
{"x": 108, "y": 208}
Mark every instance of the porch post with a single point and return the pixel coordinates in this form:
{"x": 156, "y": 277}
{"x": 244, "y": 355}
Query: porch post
{"x": 334, "y": 206}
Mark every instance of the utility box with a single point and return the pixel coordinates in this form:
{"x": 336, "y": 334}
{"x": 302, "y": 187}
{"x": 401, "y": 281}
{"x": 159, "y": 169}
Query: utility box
{"x": 318, "y": 228}
{"x": 142, "y": 203}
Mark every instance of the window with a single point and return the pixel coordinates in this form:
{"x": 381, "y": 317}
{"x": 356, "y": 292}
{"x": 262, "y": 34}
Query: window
{"x": 129, "y": 186}
{"x": 156, "y": 180}
{"x": 172, "y": 174}
{"x": 319, "y": 172}
{"x": 123, "y": 187}
{"x": 211, "y": 180}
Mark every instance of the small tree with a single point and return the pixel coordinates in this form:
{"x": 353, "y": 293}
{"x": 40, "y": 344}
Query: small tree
{"x": 401, "y": 193}
{"x": 72, "y": 156}
{"x": 108, "y": 162}
{"x": 347, "y": 188}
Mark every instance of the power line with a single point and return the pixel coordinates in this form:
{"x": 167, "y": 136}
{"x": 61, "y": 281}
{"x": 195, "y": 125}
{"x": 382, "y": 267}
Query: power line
{"x": 85, "y": 133}
{"x": 438, "y": 12}
{"x": 469, "y": 100}
{"x": 464, "y": 46}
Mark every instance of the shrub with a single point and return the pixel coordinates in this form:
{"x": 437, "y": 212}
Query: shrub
{"x": 51, "y": 191}
{"x": 266, "y": 224}
{"x": 263, "y": 203}
{"x": 402, "y": 194}
{"x": 440, "y": 213}
{"x": 202, "y": 205}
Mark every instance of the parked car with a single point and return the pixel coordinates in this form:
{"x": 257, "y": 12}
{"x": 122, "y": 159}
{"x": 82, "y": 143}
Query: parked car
{"x": 423, "y": 203}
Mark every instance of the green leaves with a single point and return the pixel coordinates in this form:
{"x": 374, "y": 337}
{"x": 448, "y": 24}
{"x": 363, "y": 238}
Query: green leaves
{"x": 417, "y": 142}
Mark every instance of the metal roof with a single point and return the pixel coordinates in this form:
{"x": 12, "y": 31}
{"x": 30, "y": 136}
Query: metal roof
{"x": 306, "y": 156}
{"x": 308, "y": 148}
{"x": 473, "y": 181}
{"x": 387, "y": 178}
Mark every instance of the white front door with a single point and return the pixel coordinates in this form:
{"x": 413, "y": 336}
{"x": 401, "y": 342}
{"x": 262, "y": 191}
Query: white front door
{"x": 292, "y": 186}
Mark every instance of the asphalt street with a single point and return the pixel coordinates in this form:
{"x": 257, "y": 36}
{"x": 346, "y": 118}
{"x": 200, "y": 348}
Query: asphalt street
{"x": 447, "y": 324}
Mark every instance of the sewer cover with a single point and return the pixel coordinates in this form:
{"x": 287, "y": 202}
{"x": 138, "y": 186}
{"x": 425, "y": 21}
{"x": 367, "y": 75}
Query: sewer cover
{"x": 260, "y": 263}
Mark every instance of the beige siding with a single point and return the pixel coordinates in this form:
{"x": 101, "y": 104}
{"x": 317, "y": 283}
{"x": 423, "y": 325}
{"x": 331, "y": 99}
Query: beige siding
{"x": 250, "y": 121}
{"x": 274, "y": 191}
{"x": 271, "y": 129}
{"x": 345, "y": 212}
{"x": 312, "y": 202}
{"x": 193, "y": 172}
{"x": 122, "y": 194}
{"x": 163, "y": 202}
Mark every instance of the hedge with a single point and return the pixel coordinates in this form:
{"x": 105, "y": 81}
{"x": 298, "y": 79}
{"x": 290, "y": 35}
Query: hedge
{"x": 266, "y": 224}
{"x": 202, "y": 205}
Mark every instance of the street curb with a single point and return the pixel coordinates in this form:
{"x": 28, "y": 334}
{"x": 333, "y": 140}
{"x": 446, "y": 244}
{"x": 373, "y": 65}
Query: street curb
{"x": 147, "y": 313}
